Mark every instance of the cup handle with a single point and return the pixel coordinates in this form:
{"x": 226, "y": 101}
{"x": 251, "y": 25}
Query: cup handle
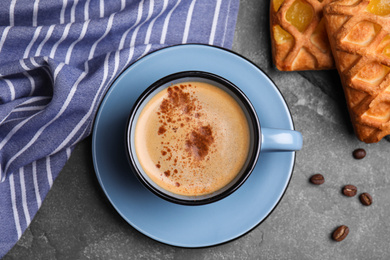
{"x": 275, "y": 140}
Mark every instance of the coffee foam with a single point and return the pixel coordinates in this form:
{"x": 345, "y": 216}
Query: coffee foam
{"x": 192, "y": 138}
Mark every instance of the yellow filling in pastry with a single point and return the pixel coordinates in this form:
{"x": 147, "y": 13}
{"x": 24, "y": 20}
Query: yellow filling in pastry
{"x": 379, "y": 7}
{"x": 277, "y": 4}
{"x": 386, "y": 50}
{"x": 300, "y": 15}
{"x": 281, "y": 36}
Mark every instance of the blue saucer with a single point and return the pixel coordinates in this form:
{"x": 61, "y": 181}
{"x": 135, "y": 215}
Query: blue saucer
{"x": 178, "y": 225}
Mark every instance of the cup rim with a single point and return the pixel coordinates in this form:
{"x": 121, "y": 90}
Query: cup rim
{"x": 255, "y": 123}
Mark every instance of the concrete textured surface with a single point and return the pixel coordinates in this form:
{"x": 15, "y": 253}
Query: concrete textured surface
{"x": 76, "y": 220}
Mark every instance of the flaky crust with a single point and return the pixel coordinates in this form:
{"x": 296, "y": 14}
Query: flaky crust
{"x": 301, "y": 53}
{"x": 357, "y": 39}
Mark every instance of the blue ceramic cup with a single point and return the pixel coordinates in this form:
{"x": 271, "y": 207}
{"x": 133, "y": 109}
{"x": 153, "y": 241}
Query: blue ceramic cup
{"x": 261, "y": 139}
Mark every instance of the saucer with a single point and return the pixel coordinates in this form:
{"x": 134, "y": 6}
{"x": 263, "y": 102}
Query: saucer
{"x": 180, "y": 225}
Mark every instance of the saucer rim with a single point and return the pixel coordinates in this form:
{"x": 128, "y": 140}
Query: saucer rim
{"x": 243, "y": 233}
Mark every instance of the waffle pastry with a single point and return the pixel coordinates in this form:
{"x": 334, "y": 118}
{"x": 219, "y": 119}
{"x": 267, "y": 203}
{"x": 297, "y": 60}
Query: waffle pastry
{"x": 360, "y": 40}
{"x": 298, "y": 35}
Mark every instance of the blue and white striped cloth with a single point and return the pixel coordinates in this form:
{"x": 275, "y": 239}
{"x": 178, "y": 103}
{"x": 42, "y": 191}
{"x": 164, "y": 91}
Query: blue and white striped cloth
{"x": 57, "y": 59}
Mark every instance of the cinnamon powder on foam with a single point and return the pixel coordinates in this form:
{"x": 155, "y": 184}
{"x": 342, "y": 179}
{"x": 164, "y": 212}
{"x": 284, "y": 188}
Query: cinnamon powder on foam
{"x": 193, "y": 138}
{"x": 181, "y": 109}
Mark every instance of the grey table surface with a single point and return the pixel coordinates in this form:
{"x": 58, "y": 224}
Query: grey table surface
{"x": 76, "y": 221}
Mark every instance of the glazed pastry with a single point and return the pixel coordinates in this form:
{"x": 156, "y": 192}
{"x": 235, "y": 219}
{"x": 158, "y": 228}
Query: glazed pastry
{"x": 359, "y": 34}
{"x": 298, "y": 35}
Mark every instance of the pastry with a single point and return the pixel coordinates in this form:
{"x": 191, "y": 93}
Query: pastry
{"x": 359, "y": 34}
{"x": 298, "y": 35}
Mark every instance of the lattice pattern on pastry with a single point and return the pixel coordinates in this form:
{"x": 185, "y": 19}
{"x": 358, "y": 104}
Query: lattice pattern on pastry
{"x": 299, "y": 39}
{"x": 361, "y": 42}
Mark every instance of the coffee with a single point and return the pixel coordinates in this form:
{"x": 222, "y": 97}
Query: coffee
{"x": 359, "y": 153}
{"x": 340, "y": 233}
{"x": 192, "y": 138}
{"x": 365, "y": 199}
{"x": 349, "y": 190}
{"x": 317, "y": 179}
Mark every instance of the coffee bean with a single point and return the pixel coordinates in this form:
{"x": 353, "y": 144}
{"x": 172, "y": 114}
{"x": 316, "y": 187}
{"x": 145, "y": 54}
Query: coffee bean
{"x": 349, "y": 190}
{"x": 365, "y": 199}
{"x": 359, "y": 153}
{"x": 317, "y": 179}
{"x": 340, "y": 233}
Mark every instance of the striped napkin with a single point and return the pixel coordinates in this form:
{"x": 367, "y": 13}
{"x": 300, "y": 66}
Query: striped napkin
{"x": 57, "y": 59}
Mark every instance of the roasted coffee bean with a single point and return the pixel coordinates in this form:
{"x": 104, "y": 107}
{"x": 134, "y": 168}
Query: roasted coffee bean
{"x": 340, "y": 233}
{"x": 349, "y": 190}
{"x": 317, "y": 179}
{"x": 365, "y": 199}
{"x": 359, "y": 153}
